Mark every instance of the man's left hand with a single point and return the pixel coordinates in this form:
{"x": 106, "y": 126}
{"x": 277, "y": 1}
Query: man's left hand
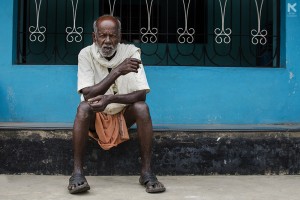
{"x": 99, "y": 103}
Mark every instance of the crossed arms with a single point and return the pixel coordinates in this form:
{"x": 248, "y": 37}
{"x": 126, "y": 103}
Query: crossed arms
{"x": 95, "y": 94}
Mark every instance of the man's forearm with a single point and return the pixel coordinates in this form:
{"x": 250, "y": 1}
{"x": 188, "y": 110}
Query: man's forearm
{"x": 102, "y": 87}
{"x": 129, "y": 98}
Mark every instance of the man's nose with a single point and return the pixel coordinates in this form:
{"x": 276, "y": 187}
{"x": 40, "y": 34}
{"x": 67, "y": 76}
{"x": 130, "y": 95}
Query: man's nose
{"x": 107, "y": 39}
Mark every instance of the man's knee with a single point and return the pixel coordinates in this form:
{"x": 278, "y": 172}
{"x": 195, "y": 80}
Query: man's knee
{"x": 84, "y": 110}
{"x": 140, "y": 106}
{"x": 141, "y": 109}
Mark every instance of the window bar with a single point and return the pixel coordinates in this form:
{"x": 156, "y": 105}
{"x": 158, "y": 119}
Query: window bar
{"x": 223, "y": 35}
{"x": 278, "y": 22}
{"x": 112, "y": 7}
{"x": 37, "y": 32}
{"x": 186, "y": 34}
{"x": 73, "y": 33}
{"x": 130, "y": 16}
{"x": 259, "y": 35}
{"x": 23, "y": 26}
{"x": 55, "y": 38}
{"x": 149, "y": 34}
{"x": 241, "y": 33}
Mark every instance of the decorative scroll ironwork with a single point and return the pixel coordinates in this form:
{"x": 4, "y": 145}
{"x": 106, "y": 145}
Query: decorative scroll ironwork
{"x": 186, "y": 35}
{"x": 111, "y": 8}
{"x": 223, "y": 35}
{"x": 169, "y": 45}
{"x": 74, "y": 34}
{"x": 149, "y": 34}
{"x": 259, "y": 36}
{"x": 37, "y": 33}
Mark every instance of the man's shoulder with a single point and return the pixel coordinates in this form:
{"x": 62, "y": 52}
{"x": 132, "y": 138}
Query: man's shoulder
{"x": 85, "y": 51}
{"x": 130, "y": 49}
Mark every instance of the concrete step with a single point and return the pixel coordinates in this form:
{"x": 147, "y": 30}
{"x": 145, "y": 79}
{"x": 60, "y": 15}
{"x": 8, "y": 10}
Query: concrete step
{"x": 49, "y": 152}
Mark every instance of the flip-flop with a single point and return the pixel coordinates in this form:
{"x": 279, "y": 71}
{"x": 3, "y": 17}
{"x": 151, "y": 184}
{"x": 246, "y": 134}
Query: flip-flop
{"x": 78, "y": 184}
{"x": 151, "y": 183}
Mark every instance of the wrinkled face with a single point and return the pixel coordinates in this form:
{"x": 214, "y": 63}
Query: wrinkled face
{"x": 107, "y": 37}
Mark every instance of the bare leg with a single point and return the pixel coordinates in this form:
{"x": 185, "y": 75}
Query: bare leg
{"x": 84, "y": 121}
{"x": 139, "y": 113}
{"x": 85, "y": 117}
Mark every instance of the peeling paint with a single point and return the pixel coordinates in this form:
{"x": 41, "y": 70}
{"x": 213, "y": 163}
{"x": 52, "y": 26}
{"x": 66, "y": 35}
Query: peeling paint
{"x": 11, "y": 101}
{"x": 47, "y": 161}
{"x": 291, "y": 75}
{"x": 213, "y": 118}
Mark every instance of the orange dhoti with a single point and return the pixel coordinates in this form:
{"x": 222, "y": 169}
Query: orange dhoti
{"x": 111, "y": 130}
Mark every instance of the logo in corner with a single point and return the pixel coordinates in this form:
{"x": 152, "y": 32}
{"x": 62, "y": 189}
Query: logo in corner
{"x": 292, "y": 9}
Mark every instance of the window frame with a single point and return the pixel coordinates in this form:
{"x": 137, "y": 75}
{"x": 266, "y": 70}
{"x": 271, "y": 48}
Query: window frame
{"x": 280, "y": 57}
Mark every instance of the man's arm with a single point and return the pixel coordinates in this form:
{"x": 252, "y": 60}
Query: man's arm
{"x": 100, "y": 102}
{"x": 127, "y": 66}
{"x": 100, "y": 88}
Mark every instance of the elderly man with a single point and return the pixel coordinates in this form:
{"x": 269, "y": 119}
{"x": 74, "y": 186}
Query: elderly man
{"x": 113, "y": 85}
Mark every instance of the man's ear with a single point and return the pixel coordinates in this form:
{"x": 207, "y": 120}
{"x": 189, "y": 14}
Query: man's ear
{"x": 94, "y": 37}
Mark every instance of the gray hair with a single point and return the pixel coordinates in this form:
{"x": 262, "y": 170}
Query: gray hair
{"x": 117, "y": 19}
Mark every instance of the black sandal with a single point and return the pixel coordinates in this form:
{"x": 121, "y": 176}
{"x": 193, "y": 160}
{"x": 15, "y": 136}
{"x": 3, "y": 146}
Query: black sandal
{"x": 78, "y": 184}
{"x": 151, "y": 183}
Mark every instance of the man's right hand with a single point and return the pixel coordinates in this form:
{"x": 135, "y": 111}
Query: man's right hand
{"x": 128, "y": 65}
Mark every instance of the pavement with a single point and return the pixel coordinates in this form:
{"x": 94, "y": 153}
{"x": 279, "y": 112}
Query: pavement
{"x": 214, "y": 187}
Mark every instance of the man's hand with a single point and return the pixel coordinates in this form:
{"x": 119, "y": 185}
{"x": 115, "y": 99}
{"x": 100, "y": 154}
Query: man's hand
{"x": 99, "y": 103}
{"x": 129, "y": 65}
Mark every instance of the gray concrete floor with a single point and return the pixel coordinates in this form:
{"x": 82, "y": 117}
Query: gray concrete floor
{"x": 33, "y": 187}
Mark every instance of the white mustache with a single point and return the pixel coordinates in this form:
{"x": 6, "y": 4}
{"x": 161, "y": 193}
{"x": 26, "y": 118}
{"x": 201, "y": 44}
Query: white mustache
{"x": 111, "y": 47}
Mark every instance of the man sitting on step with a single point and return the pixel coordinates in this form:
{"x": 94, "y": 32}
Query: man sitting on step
{"x": 113, "y": 84}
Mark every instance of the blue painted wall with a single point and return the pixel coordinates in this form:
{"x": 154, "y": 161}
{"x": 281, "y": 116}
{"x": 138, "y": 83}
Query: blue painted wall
{"x": 179, "y": 95}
